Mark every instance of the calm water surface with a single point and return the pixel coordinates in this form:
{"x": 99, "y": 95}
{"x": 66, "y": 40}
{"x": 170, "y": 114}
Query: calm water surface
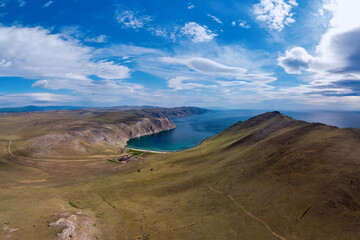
{"x": 192, "y": 130}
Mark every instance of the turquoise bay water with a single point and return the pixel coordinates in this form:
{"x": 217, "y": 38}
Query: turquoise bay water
{"x": 191, "y": 131}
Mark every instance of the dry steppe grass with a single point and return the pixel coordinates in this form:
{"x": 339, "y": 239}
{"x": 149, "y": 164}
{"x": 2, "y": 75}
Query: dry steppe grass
{"x": 271, "y": 177}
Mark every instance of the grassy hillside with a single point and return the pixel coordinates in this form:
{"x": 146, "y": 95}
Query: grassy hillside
{"x": 270, "y": 177}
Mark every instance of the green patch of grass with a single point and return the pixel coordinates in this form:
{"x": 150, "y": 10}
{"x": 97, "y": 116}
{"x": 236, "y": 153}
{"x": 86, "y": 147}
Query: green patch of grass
{"x": 135, "y": 152}
{"x": 74, "y": 205}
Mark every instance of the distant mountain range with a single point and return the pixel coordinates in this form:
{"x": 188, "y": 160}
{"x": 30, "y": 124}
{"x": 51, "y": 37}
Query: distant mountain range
{"x": 37, "y": 109}
{"x": 55, "y": 108}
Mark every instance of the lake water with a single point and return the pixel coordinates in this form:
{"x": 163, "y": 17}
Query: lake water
{"x": 191, "y": 131}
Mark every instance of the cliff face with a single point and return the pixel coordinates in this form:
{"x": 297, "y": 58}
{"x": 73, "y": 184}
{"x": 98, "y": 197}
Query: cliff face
{"x": 103, "y": 130}
{"x": 90, "y": 139}
{"x": 87, "y": 132}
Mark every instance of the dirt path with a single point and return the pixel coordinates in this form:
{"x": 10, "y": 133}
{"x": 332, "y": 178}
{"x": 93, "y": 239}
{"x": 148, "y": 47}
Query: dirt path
{"x": 9, "y": 148}
{"x": 249, "y": 213}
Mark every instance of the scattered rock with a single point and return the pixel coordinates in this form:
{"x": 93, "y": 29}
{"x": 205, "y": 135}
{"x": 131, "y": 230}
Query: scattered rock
{"x": 75, "y": 226}
{"x": 7, "y": 232}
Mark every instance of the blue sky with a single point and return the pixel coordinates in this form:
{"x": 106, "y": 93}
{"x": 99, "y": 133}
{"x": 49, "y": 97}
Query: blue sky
{"x": 264, "y": 54}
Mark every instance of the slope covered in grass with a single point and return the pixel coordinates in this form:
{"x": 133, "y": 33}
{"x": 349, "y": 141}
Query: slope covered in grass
{"x": 270, "y": 177}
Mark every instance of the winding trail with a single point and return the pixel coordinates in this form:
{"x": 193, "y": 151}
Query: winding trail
{"x": 249, "y": 213}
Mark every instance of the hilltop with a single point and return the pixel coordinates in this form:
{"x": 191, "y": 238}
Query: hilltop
{"x": 270, "y": 177}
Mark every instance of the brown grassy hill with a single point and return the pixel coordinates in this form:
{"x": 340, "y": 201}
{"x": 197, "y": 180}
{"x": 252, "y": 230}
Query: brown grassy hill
{"x": 270, "y": 177}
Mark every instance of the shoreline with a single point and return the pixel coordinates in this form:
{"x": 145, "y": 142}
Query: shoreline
{"x": 150, "y": 151}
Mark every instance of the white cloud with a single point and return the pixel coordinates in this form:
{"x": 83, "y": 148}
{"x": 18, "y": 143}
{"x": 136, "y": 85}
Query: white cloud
{"x": 231, "y": 83}
{"x": 177, "y": 83}
{"x": 198, "y": 33}
{"x": 36, "y": 53}
{"x": 275, "y": 13}
{"x": 295, "y": 60}
{"x": 190, "y": 6}
{"x": 158, "y": 32}
{"x": 98, "y": 39}
{"x": 215, "y": 18}
{"x": 133, "y": 20}
{"x": 47, "y": 4}
{"x": 334, "y": 66}
{"x": 39, "y": 99}
{"x": 5, "y": 64}
{"x": 21, "y": 3}
{"x": 206, "y": 66}
{"x": 339, "y": 47}
{"x": 88, "y": 86}
{"x": 212, "y": 68}
{"x": 243, "y": 24}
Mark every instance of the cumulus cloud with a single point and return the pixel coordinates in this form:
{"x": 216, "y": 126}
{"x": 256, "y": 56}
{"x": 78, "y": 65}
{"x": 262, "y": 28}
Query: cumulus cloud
{"x": 131, "y": 19}
{"x": 241, "y": 23}
{"x": 275, "y": 13}
{"x": 215, "y": 18}
{"x": 198, "y": 33}
{"x": 295, "y": 60}
{"x": 335, "y": 63}
{"x": 36, "y": 53}
{"x": 190, "y": 6}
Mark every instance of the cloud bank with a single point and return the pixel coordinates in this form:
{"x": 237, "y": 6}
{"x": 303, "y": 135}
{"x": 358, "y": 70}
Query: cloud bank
{"x": 334, "y": 66}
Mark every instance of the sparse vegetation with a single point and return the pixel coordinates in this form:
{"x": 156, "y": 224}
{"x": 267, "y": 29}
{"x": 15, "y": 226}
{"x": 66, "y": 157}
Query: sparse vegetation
{"x": 74, "y": 205}
{"x": 135, "y": 152}
{"x": 239, "y": 184}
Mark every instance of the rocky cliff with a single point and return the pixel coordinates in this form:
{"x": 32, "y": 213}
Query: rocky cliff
{"x": 93, "y": 133}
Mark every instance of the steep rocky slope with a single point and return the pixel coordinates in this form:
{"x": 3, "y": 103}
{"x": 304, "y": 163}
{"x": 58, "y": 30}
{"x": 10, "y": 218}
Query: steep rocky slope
{"x": 83, "y": 139}
{"x": 84, "y": 131}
